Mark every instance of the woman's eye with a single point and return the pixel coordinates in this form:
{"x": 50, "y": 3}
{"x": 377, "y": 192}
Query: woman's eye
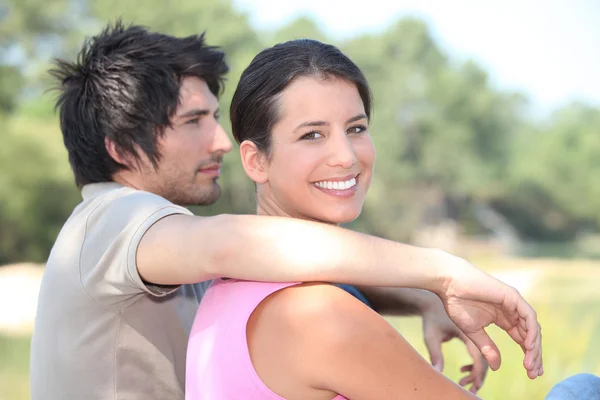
{"x": 357, "y": 129}
{"x": 311, "y": 136}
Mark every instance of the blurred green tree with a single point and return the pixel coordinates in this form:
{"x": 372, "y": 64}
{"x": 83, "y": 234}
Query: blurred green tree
{"x": 448, "y": 142}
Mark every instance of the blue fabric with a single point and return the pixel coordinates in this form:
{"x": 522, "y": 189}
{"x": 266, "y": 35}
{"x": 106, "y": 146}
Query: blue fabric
{"x": 577, "y": 387}
{"x": 355, "y": 292}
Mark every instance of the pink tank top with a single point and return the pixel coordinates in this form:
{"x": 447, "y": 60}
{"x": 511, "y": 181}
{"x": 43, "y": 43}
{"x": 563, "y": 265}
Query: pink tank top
{"x": 218, "y": 365}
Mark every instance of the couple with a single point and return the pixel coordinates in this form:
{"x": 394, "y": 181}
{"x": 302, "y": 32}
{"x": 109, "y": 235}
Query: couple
{"x": 139, "y": 116}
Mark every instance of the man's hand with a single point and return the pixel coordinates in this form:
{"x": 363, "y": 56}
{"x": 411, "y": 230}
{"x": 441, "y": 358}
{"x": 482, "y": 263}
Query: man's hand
{"x": 474, "y": 299}
{"x": 437, "y": 329}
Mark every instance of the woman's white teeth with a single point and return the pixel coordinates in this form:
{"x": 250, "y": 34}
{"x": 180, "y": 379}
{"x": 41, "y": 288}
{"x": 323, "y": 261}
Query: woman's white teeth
{"x": 336, "y": 185}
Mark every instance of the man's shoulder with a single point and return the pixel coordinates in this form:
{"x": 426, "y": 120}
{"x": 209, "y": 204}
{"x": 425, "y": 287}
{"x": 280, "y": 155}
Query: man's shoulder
{"x": 112, "y": 193}
{"x": 109, "y": 212}
{"x": 124, "y": 203}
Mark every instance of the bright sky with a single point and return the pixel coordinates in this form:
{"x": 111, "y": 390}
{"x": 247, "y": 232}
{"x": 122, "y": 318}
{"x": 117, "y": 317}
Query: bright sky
{"x": 547, "y": 49}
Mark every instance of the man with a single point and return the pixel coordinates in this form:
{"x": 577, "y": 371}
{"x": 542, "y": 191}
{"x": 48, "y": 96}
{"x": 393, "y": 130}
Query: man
{"x": 139, "y": 117}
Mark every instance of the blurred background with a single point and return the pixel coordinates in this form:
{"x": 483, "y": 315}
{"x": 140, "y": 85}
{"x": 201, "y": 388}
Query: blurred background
{"x": 487, "y": 125}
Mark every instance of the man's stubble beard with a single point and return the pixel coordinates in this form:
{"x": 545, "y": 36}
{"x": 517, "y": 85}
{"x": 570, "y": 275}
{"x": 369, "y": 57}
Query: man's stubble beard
{"x": 188, "y": 191}
{"x": 195, "y": 194}
{"x": 182, "y": 189}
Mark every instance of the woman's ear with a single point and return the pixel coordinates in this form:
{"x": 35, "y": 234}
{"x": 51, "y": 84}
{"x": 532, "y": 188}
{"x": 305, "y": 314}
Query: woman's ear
{"x": 254, "y": 161}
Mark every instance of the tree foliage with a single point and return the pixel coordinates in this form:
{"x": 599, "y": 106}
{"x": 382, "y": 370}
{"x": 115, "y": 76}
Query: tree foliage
{"x": 446, "y": 137}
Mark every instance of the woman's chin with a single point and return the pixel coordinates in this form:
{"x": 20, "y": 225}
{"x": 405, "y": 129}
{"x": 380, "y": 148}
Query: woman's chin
{"x": 341, "y": 219}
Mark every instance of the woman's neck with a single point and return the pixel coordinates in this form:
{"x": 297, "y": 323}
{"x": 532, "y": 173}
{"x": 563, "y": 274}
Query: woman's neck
{"x": 270, "y": 208}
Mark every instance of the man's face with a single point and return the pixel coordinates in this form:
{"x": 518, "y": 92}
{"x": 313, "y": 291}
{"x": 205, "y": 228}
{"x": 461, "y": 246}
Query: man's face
{"x": 191, "y": 150}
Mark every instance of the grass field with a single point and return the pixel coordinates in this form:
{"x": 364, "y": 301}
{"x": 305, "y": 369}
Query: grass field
{"x": 566, "y": 295}
{"x": 14, "y": 368}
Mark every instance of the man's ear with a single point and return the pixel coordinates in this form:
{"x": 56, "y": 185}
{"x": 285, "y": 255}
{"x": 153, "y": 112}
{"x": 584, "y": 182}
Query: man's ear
{"x": 255, "y": 162}
{"x": 126, "y": 159}
{"x": 115, "y": 154}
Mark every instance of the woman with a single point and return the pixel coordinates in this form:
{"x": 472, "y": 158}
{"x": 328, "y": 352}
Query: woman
{"x": 301, "y": 115}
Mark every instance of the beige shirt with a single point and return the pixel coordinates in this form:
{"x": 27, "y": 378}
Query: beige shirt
{"x": 100, "y": 332}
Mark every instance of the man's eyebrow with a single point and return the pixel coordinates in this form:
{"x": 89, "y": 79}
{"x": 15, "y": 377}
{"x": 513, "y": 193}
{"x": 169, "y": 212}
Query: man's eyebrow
{"x": 197, "y": 112}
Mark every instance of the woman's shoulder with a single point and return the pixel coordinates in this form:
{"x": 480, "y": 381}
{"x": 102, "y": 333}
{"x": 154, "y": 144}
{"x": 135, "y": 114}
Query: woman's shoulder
{"x": 300, "y": 327}
{"x": 315, "y": 309}
{"x": 311, "y": 298}
{"x": 323, "y": 337}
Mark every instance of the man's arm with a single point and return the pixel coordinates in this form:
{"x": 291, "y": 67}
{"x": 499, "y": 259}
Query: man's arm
{"x": 182, "y": 249}
{"x": 187, "y": 249}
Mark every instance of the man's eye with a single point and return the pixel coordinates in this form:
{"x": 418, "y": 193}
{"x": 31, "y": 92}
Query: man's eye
{"x": 193, "y": 121}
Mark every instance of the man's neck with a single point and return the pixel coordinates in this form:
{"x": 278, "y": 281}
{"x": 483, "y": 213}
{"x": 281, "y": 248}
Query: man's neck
{"x": 127, "y": 179}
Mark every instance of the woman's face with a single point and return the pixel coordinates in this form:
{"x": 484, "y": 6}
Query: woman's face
{"x": 322, "y": 155}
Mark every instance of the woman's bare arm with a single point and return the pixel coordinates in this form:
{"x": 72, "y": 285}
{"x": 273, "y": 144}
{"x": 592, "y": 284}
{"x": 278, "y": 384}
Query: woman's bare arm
{"x": 315, "y": 340}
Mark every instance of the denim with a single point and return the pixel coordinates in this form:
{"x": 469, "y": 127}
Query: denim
{"x": 580, "y": 387}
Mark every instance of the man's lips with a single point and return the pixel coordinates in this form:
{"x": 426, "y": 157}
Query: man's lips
{"x": 214, "y": 170}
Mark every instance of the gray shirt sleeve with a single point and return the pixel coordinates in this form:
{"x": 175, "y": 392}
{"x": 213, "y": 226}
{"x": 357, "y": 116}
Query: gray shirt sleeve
{"x": 113, "y": 232}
